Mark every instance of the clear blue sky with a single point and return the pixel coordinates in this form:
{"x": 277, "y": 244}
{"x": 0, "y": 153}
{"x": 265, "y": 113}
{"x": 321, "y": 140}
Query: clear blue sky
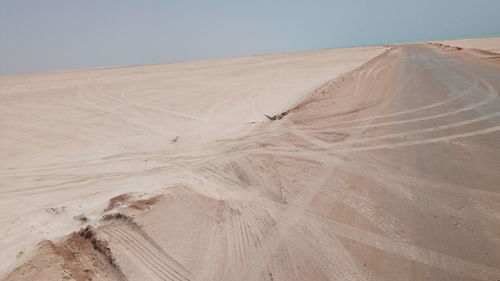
{"x": 48, "y": 35}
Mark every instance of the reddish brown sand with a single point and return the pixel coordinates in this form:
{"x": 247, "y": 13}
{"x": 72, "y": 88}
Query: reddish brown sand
{"x": 387, "y": 172}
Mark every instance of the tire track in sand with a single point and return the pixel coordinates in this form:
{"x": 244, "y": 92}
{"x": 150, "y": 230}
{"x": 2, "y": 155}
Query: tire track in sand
{"x": 393, "y": 114}
{"x": 425, "y": 256}
{"x": 492, "y": 95}
{"x": 147, "y": 254}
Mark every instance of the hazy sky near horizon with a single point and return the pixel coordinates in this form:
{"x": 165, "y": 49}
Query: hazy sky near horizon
{"x": 39, "y": 36}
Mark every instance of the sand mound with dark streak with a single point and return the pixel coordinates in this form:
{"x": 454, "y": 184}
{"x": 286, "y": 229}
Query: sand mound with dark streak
{"x": 81, "y": 256}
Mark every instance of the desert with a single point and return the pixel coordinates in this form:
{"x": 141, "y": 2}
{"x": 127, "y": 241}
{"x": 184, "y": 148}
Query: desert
{"x": 363, "y": 163}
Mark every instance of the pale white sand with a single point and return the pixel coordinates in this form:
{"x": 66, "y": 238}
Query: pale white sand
{"x": 487, "y": 44}
{"x": 69, "y": 138}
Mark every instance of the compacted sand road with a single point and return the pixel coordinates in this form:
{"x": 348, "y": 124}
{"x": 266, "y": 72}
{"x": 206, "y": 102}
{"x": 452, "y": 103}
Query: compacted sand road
{"x": 389, "y": 172}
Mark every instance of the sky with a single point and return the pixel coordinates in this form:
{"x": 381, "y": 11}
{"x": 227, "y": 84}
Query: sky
{"x": 53, "y": 35}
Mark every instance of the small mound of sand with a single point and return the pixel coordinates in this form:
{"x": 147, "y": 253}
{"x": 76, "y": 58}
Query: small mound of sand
{"x": 81, "y": 257}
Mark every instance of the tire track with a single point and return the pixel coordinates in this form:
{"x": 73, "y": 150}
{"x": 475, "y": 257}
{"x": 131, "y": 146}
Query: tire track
{"x": 423, "y": 141}
{"x": 345, "y": 266}
{"x": 162, "y": 266}
{"x": 288, "y": 258}
{"x": 381, "y": 219}
{"x": 213, "y": 260}
{"x": 114, "y": 115}
{"x": 418, "y": 254}
{"x": 449, "y": 100}
{"x": 235, "y": 244}
{"x": 303, "y": 152}
{"x": 425, "y": 130}
{"x": 241, "y": 242}
{"x": 138, "y": 257}
{"x": 286, "y": 220}
{"x": 492, "y": 95}
{"x": 158, "y": 253}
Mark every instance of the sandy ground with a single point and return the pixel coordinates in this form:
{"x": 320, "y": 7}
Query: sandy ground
{"x": 487, "y": 44}
{"x": 381, "y": 164}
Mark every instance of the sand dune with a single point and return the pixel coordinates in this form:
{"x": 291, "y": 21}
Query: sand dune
{"x": 374, "y": 163}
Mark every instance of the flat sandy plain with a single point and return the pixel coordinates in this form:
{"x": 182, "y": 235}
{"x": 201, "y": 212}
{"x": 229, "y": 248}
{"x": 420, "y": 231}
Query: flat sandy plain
{"x": 380, "y": 163}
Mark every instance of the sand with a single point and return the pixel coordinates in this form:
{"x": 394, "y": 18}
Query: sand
{"x": 487, "y": 44}
{"x": 380, "y": 163}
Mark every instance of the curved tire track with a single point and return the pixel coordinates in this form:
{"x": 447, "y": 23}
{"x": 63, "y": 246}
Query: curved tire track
{"x": 159, "y": 264}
